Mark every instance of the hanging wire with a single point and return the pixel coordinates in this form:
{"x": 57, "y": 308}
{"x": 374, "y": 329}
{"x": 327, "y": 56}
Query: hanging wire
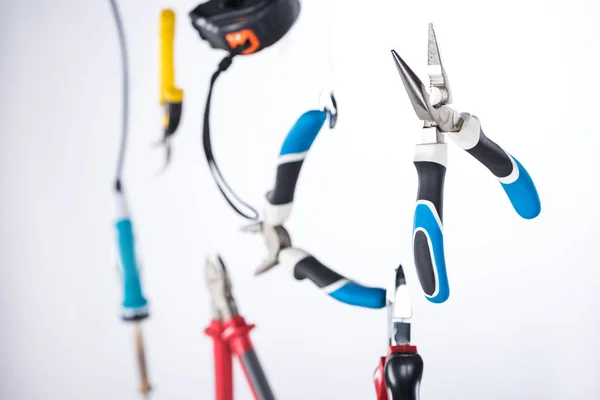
{"x": 327, "y": 99}
{"x": 329, "y": 55}
{"x": 125, "y": 90}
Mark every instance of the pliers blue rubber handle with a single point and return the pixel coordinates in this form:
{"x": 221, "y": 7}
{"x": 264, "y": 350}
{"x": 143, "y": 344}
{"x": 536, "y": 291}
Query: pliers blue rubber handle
{"x": 431, "y": 160}
{"x": 278, "y": 206}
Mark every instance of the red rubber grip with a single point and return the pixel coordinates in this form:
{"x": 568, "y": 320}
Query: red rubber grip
{"x": 236, "y": 333}
{"x": 222, "y": 362}
{"x": 379, "y": 379}
{"x": 405, "y": 348}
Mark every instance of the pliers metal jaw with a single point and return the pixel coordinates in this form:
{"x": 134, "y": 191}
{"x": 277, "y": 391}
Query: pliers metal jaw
{"x": 276, "y": 239}
{"x": 219, "y": 286}
{"x": 329, "y": 106}
{"x": 440, "y": 120}
{"x": 400, "y": 371}
{"x": 399, "y": 309}
{"x": 431, "y": 109}
{"x": 438, "y": 80}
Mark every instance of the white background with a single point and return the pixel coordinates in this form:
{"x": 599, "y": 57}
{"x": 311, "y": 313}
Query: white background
{"x": 522, "y": 321}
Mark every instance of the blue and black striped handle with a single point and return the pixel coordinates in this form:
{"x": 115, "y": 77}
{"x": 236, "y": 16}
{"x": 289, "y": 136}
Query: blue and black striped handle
{"x": 305, "y": 266}
{"x": 430, "y": 162}
{"x": 278, "y": 208}
{"x": 515, "y": 179}
{"x": 135, "y": 305}
{"x": 291, "y": 157}
{"x": 428, "y": 235}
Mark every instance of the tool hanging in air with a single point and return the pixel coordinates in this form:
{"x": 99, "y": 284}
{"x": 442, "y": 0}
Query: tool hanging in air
{"x": 135, "y": 305}
{"x": 231, "y": 336}
{"x": 328, "y": 101}
{"x": 229, "y": 24}
{"x": 240, "y": 27}
{"x": 277, "y": 209}
{"x": 401, "y": 370}
{"x": 430, "y": 161}
{"x": 171, "y": 97}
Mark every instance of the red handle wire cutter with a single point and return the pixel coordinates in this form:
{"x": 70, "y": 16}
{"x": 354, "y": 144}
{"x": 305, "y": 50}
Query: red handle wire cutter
{"x": 230, "y": 334}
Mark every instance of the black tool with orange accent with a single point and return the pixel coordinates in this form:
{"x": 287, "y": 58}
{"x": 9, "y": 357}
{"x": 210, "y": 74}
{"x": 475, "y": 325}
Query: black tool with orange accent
{"x": 240, "y": 27}
{"x": 228, "y": 24}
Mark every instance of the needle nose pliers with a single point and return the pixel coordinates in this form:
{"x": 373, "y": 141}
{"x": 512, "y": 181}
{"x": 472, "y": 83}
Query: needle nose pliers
{"x": 440, "y": 120}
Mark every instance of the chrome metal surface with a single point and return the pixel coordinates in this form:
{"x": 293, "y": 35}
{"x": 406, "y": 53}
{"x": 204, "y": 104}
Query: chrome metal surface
{"x": 430, "y": 104}
{"x": 438, "y": 80}
{"x": 444, "y": 118}
{"x": 219, "y": 285}
{"x": 276, "y": 239}
{"x": 399, "y": 310}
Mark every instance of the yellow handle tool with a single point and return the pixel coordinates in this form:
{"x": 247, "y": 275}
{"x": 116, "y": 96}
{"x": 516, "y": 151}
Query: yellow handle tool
{"x": 171, "y": 97}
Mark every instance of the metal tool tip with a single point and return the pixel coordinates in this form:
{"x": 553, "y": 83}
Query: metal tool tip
{"x": 401, "y": 300}
{"x": 403, "y": 68}
{"x": 255, "y": 227}
{"x": 262, "y": 269}
{"x": 214, "y": 268}
{"x": 400, "y": 64}
{"x": 431, "y": 32}
{"x": 417, "y": 92}
{"x": 400, "y": 277}
{"x": 433, "y": 56}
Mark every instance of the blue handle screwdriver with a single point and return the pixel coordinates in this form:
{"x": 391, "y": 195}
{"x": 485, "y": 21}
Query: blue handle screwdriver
{"x": 135, "y": 305}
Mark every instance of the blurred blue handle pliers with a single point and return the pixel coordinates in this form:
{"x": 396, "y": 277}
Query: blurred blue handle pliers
{"x": 278, "y": 207}
{"x": 431, "y": 160}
